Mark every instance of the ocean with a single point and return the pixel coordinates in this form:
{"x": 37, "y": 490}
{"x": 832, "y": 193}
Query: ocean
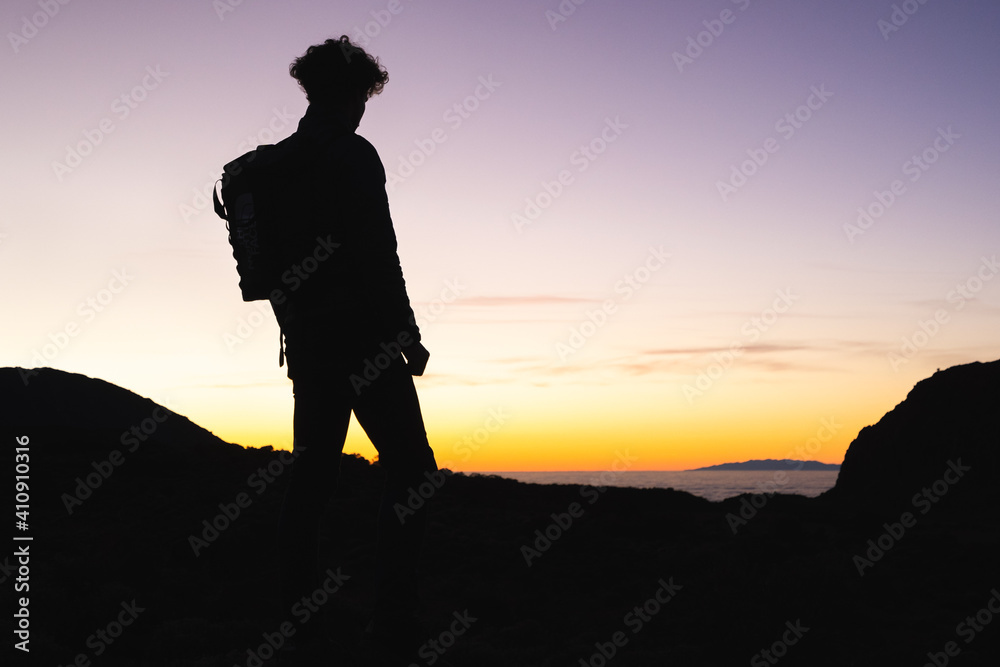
{"x": 713, "y": 485}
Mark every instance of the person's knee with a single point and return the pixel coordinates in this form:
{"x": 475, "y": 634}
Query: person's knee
{"x": 412, "y": 466}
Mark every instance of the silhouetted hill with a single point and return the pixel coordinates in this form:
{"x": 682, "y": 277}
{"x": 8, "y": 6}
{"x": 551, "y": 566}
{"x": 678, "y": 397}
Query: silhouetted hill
{"x": 946, "y": 431}
{"x": 555, "y": 575}
{"x": 771, "y": 464}
{"x": 54, "y": 400}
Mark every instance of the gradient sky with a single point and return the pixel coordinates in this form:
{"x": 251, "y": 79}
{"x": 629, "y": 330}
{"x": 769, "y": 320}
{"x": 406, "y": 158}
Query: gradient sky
{"x": 740, "y": 139}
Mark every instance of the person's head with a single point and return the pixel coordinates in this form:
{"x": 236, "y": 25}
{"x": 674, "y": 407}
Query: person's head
{"x": 339, "y": 74}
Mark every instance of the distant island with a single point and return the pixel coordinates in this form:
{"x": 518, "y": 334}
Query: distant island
{"x": 771, "y": 464}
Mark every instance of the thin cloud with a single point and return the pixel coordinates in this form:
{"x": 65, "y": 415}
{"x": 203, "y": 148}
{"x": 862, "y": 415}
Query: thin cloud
{"x": 524, "y": 300}
{"x": 746, "y": 349}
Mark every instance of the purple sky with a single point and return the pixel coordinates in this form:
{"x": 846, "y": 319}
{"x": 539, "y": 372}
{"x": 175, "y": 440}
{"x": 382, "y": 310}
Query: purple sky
{"x": 538, "y": 165}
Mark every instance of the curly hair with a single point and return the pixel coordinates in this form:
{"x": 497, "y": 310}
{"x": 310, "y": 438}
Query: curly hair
{"x": 338, "y": 68}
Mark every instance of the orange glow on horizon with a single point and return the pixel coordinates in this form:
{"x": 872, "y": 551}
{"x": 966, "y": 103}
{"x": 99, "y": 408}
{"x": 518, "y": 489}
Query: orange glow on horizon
{"x": 542, "y": 451}
{"x": 576, "y": 427}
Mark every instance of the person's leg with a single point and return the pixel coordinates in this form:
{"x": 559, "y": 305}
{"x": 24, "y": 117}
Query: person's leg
{"x": 389, "y": 412}
{"x": 321, "y": 418}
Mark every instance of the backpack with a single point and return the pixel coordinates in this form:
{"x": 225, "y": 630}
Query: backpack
{"x": 250, "y": 204}
{"x": 264, "y": 195}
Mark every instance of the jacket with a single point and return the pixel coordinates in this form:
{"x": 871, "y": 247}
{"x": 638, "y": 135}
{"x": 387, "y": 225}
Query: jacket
{"x": 344, "y": 292}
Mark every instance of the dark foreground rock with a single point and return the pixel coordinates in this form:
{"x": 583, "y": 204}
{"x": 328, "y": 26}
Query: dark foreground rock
{"x": 945, "y": 435}
{"x": 515, "y": 574}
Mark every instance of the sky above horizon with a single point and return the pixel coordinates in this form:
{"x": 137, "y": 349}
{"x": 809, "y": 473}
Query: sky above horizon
{"x": 687, "y": 233}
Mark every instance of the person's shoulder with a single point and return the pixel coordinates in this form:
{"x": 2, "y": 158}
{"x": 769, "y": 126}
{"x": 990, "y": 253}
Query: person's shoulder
{"x": 355, "y": 154}
{"x": 354, "y": 146}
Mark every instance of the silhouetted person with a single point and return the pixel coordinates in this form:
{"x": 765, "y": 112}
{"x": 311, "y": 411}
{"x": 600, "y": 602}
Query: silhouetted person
{"x": 350, "y": 338}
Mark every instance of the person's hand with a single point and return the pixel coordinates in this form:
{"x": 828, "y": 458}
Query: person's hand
{"x": 416, "y": 358}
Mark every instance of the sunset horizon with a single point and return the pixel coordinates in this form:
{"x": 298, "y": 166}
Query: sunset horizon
{"x": 699, "y": 234}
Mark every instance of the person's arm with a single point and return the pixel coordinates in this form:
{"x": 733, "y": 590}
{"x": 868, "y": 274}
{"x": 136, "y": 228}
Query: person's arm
{"x": 366, "y": 211}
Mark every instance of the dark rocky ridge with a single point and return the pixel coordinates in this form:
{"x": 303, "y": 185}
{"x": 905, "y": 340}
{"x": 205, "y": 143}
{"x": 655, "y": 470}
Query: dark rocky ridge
{"x": 952, "y": 416}
{"x": 747, "y": 566}
{"x": 53, "y": 399}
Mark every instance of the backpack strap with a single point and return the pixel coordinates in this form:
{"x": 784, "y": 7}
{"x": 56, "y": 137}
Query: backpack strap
{"x": 220, "y": 210}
